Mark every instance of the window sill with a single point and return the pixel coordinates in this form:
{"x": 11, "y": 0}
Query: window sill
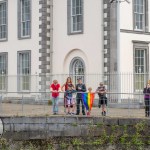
{"x": 24, "y": 37}
{"x": 139, "y": 30}
{"x": 75, "y": 33}
{"x": 3, "y": 40}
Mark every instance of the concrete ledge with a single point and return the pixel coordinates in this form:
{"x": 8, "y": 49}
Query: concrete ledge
{"x": 21, "y": 128}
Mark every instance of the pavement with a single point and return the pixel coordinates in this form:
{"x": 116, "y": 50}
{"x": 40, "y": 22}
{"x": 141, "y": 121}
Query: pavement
{"x": 10, "y": 109}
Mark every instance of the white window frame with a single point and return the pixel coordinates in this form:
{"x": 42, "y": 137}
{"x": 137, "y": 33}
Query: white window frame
{"x": 29, "y": 29}
{"x": 24, "y": 75}
{"x": 73, "y": 72}
{"x": 76, "y": 15}
{"x": 3, "y": 74}
{"x": 140, "y": 76}
{"x": 139, "y": 13}
{"x": 1, "y": 18}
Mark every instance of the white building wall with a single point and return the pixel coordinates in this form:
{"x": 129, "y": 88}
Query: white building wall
{"x": 126, "y": 15}
{"x": 13, "y": 44}
{"x": 88, "y": 45}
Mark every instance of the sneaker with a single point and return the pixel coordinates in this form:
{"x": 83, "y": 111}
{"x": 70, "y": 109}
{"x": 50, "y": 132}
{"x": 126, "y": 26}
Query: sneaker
{"x": 77, "y": 113}
{"x": 68, "y": 113}
{"x": 73, "y": 113}
{"x": 83, "y": 113}
{"x": 102, "y": 113}
{"x": 54, "y": 113}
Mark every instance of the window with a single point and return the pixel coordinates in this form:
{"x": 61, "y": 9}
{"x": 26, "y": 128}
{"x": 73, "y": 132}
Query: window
{"x": 139, "y": 14}
{"x": 75, "y": 16}
{"x": 24, "y": 15}
{"x": 3, "y": 22}
{"x": 3, "y": 70}
{"x": 24, "y": 70}
{"x": 77, "y": 69}
{"x": 140, "y": 66}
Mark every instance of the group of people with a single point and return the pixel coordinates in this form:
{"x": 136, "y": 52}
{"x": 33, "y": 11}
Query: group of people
{"x": 71, "y": 103}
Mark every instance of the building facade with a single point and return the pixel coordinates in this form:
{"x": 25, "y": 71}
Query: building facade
{"x": 42, "y": 40}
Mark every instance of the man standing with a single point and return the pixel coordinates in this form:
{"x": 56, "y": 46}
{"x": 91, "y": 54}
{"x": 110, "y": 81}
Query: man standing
{"x": 80, "y": 87}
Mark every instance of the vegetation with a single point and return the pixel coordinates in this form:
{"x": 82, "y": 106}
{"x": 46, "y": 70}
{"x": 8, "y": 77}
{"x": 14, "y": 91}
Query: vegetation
{"x": 124, "y": 137}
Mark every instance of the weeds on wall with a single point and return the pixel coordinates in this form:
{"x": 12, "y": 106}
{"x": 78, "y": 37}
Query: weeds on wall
{"x": 124, "y": 137}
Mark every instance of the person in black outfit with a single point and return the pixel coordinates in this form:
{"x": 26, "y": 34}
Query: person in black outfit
{"x": 101, "y": 90}
{"x": 146, "y": 92}
{"x": 80, "y": 87}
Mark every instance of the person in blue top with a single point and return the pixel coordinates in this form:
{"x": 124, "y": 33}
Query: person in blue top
{"x": 70, "y": 101}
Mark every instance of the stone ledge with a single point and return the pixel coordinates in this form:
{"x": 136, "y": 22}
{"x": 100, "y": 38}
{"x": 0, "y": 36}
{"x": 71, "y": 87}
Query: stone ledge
{"x": 54, "y": 126}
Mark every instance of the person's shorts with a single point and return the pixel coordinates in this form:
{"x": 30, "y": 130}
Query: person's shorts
{"x": 102, "y": 100}
{"x": 70, "y": 101}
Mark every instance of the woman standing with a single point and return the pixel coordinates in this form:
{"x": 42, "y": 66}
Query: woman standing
{"x": 146, "y": 92}
{"x": 65, "y": 88}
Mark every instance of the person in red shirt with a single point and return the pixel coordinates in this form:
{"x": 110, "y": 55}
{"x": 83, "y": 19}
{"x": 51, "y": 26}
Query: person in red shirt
{"x": 55, "y": 89}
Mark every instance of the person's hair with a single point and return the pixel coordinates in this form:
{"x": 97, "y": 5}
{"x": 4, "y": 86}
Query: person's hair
{"x": 55, "y": 81}
{"x": 70, "y": 80}
{"x": 101, "y": 83}
{"x": 147, "y": 84}
{"x": 90, "y": 88}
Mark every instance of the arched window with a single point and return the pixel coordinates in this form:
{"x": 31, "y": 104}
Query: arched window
{"x": 77, "y": 69}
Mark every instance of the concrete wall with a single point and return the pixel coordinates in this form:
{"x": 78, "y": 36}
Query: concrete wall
{"x": 25, "y": 128}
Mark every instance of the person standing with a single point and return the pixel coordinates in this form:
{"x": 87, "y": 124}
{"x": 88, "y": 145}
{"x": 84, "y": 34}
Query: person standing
{"x": 146, "y": 92}
{"x": 70, "y": 100}
{"x": 80, "y": 87}
{"x": 101, "y": 90}
{"x": 65, "y": 88}
{"x": 55, "y": 88}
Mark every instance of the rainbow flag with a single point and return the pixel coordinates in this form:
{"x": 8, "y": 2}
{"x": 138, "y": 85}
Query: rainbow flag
{"x": 88, "y": 99}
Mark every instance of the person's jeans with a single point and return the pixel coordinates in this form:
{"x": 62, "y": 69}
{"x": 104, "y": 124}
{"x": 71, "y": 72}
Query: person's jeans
{"x": 78, "y": 106}
{"x": 55, "y": 104}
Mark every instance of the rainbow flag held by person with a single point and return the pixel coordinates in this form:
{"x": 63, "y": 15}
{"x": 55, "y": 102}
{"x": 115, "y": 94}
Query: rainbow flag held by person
{"x": 88, "y": 99}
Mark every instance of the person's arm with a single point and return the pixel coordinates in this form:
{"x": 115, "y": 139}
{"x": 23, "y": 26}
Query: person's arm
{"x": 59, "y": 90}
{"x": 144, "y": 90}
{"x": 51, "y": 89}
{"x": 104, "y": 90}
{"x": 83, "y": 88}
{"x": 62, "y": 87}
{"x": 77, "y": 87}
{"x": 74, "y": 91}
{"x": 73, "y": 86}
{"x": 97, "y": 90}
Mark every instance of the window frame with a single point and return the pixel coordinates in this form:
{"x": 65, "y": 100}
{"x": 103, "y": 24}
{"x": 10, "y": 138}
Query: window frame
{"x": 21, "y": 75}
{"x": 6, "y": 25}
{"x": 145, "y": 17}
{"x": 141, "y": 46}
{"x": 5, "y": 75}
{"x": 71, "y": 70}
{"x": 70, "y": 18}
{"x": 20, "y": 28}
